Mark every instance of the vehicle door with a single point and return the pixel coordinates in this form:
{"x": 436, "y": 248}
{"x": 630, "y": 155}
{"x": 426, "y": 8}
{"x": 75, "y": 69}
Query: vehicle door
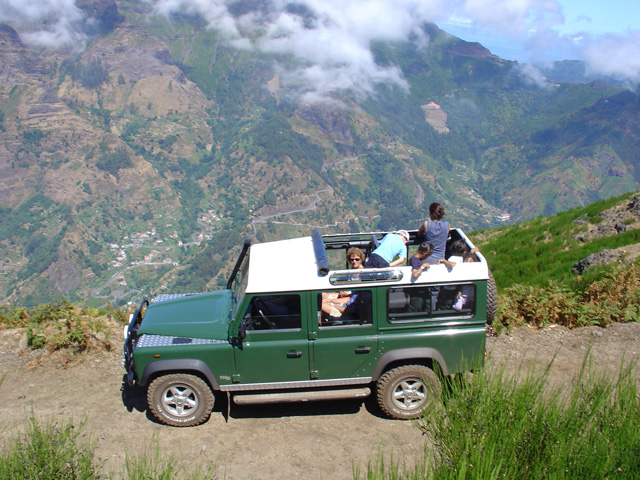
{"x": 343, "y": 338}
{"x": 275, "y": 347}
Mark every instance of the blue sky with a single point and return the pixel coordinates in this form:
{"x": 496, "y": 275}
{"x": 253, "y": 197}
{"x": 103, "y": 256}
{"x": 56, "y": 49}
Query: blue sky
{"x": 600, "y": 17}
{"x": 570, "y": 23}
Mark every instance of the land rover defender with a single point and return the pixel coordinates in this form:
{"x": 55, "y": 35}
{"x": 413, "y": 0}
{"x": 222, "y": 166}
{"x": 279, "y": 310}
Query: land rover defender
{"x": 265, "y": 338}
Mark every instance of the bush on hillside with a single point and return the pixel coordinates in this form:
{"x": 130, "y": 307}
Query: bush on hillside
{"x": 63, "y": 326}
{"x": 615, "y": 297}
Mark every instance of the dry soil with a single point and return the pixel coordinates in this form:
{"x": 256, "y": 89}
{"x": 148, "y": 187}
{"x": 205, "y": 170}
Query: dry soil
{"x": 326, "y": 440}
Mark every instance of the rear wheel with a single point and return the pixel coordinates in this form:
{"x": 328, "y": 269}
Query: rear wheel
{"x": 180, "y": 400}
{"x": 406, "y": 392}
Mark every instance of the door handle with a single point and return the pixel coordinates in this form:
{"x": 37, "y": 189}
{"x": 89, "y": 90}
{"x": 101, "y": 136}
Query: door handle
{"x": 294, "y": 354}
{"x": 363, "y": 349}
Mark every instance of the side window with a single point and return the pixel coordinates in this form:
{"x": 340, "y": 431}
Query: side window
{"x": 273, "y": 312}
{"x": 433, "y": 302}
{"x": 346, "y": 307}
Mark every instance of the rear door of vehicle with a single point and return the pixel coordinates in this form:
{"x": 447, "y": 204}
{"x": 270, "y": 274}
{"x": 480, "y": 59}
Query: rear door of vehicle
{"x": 343, "y": 347}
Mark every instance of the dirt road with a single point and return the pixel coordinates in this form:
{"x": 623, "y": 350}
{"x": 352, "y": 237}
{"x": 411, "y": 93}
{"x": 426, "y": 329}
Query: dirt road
{"x": 311, "y": 441}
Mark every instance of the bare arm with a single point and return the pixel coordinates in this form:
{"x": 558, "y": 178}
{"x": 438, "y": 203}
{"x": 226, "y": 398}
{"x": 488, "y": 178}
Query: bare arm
{"x": 397, "y": 261}
{"x": 447, "y": 263}
{"x": 415, "y": 273}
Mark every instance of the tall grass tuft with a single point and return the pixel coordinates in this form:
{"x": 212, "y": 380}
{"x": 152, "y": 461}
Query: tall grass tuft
{"x": 151, "y": 464}
{"x": 502, "y": 426}
{"x": 49, "y": 452}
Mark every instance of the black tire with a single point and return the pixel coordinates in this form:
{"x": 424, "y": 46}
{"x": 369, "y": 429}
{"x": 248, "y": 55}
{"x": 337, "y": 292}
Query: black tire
{"x": 492, "y": 299}
{"x": 180, "y": 400}
{"x": 406, "y": 392}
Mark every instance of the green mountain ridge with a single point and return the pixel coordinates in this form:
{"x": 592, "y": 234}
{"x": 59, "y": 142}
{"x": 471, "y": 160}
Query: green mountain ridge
{"x": 139, "y": 164}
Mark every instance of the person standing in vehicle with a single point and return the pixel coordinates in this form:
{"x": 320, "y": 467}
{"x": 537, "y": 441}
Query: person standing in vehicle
{"x": 392, "y": 245}
{"x": 435, "y": 230}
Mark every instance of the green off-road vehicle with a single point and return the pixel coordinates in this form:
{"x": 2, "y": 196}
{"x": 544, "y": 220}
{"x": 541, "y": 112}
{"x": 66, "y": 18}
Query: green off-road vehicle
{"x": 266, "y": 338}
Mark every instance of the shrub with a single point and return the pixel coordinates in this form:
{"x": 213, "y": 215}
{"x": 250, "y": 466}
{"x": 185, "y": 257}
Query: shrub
{"x": 62, "y": 325}
{"x": 49, "y": 452}
{"x": 614, "y": 296}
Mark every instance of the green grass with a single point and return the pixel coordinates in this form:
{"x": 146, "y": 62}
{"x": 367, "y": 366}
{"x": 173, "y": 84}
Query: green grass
{"x": 544, "y": 249}
{"x": 64, "y": 451}
{"x": 49, "y": 451}
{"x": 503, "y": 426}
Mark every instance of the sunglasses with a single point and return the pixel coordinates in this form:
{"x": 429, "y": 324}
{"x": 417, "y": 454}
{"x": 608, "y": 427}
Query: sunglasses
{"x": 355, "y": 260}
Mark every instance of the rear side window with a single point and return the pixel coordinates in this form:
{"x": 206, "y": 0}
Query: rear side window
{"x": 346, "y": 307}
{"x": 416, "y": 303}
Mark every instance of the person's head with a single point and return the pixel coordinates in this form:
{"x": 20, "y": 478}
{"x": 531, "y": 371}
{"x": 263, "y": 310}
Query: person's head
{"x": 404, "y": 234}
{"x": 424, "y": 250}
{"x": 436, "y": 211}
{"x": 469, "y": 257}
{"x": 355, "y": 257}
{"x": 459, "y": 248}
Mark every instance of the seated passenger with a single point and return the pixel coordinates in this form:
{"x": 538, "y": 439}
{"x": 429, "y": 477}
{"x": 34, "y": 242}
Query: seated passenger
{"x": 392, "y": 245}
{"x": 458, "y": 249}
{"x": 355, "y": 258}
{"x": 345, "y": 305}
{"x": 422, "y": 259}
{"x": 466, "y": 293}
{"x": 420, "y": 262}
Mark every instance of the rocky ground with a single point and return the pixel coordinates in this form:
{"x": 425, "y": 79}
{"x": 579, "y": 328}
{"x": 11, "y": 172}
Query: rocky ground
{"x": 313, "y": 441}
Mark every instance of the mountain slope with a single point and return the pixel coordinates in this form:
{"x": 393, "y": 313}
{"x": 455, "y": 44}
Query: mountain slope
{"x": 139, "y": 163}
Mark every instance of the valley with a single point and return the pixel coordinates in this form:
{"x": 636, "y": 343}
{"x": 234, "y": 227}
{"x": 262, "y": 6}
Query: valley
{"x": 158, "y": 119}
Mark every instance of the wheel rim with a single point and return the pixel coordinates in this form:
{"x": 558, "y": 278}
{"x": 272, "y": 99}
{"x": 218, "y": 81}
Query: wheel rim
{"x": 180, "y": 400}
{"x": 410, "y": 394}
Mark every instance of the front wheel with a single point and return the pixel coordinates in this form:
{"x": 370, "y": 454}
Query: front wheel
{"x": 406, "y": 392}
{"x": 180, "y": 400}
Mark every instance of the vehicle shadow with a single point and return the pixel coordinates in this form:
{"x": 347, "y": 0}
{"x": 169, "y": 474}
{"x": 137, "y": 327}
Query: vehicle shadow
{"x": 133, "y": 397}
{"x": 293, "y": 409}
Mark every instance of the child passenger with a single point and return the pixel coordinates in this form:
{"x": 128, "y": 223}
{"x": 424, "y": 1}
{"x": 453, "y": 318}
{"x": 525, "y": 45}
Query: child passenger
{"x": 422, "y": 260}
{"x": 448, "y": 294}
{"x": 466, "y": 293}
{"x": 458, "y": 249}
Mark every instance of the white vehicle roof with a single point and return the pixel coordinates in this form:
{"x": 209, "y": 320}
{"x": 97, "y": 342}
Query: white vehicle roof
{"x": 291, "y": 265}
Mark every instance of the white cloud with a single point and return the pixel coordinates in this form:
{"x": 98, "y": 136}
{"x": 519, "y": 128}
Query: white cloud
{"x": 531, "y": 75}
{"x": 331, "y": 37}
{"x": 613, "y": 55}
{"x": 63, "y": 21}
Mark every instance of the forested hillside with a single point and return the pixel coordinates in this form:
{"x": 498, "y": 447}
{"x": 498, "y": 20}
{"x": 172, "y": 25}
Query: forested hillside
{"x": 137, "y": 163}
